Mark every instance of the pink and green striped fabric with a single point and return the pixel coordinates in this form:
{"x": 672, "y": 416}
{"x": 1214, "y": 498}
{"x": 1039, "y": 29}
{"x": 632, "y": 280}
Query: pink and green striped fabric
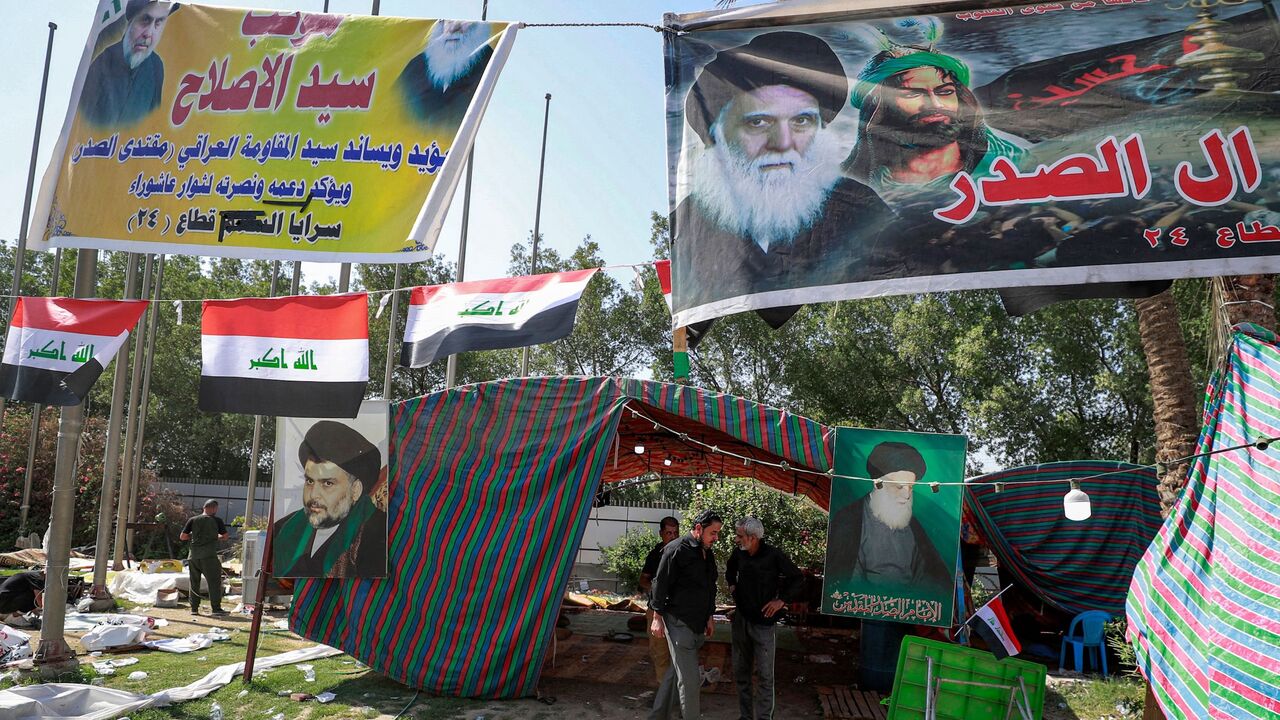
{"x": 1204, "y": 605}
{"x": 491, "y": 488}
{"x": 1073, "y": 566}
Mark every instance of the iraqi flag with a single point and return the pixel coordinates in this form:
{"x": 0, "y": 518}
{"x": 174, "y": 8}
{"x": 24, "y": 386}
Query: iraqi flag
{"x": 300, "y": 356}
{"x": 57, "y": 347}
{"x": 490, "y": 314}
{"x": 993, "y": 626}
{"x": 663, "y": 268}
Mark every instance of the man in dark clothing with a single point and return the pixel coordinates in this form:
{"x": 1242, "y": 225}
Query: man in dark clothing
{"x": 204, "y": 531}
{"x": 762, "y": 580}
{"x": 339, "y": 532}
{"x": 20, "y": 593}
{"x": 768, "y": 208}
{"x": 684, "y": 599}
{"x": 877, "y": 539}
{"x": 123, "y": 83}
{"x": 437, "y": 85}
{"x": 668, "y": 530}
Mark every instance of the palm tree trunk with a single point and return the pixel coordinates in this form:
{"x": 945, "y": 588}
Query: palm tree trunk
{"x": 1172, "y": 393}
{"x": 1250, "y": 298}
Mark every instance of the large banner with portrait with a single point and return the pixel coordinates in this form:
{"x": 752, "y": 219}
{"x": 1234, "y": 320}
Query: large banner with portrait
{"x": 823, "y": 154}
{"x": 893, "y": 538}
{"x": 282, "y": 135}
{"x": 330, "y": 496}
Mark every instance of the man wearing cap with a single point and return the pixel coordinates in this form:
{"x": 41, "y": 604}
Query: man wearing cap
{"x": 768, "y": 207}
{"x": 879, "y": 539}
{"x": 123, "y": 83}
{"x": 204, "y": 531}
{"x": 339, "y": 532}
{"x": 919, "y": 123}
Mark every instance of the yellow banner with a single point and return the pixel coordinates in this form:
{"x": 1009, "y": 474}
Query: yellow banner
{"x": 293, "y": 136}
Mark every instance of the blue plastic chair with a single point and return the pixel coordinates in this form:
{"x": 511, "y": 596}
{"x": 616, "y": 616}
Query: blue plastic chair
{"x": 1091, "y": 624}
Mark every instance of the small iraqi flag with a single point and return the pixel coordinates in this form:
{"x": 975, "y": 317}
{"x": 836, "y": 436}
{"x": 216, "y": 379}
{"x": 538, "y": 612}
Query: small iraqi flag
{"x": 300, "y": 356}
{"x": 993, "y": 626}
{"x": 490, "y": 314}
{"x": 57, "y": 347}
{"x": 663, "y": 268}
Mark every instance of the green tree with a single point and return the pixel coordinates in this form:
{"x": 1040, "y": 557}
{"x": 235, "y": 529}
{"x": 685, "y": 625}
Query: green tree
{"x": 791, "y": 523}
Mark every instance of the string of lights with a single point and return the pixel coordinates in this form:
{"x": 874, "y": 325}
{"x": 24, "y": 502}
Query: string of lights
{"x": 1076, "y": 503}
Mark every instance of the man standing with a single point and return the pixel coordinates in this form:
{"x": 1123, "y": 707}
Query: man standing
{"x": 438, "y": 83}
{"x": 684, "y": 600}
{"x": 123, "y": 83}
{"x": 879, "y": 540}
{"x": 339, "y": 532}
{"x": 668, "y": 530}
{"x": 919, "y": 124}
{"x": 204, "y": 531}
{"x": 762, "y": 580}
{"x": 768, "y": 208}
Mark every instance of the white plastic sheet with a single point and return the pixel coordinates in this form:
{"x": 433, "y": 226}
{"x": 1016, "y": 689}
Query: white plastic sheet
{"x": 102, "y": 637}
{"x": 73, "y": 701}
{"x": 140, "y": 587}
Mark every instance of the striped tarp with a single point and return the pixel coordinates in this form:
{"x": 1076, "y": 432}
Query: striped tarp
{"x": 1204, "y": 606}
{"x": 491, "y": 488}
{"x": 1073, "y": 566}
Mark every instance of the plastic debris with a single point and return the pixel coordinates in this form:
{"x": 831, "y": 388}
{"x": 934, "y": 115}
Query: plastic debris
{"x": 137, "y": 675}
{"x": 308, "y": 672}
{"x": 326, "y": 697}
{"x": 215, "y": 712}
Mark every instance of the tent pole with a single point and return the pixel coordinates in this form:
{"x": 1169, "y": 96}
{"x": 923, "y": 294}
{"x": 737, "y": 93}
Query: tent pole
{"x": 254, "y": 452}
{"x": 135, "y": 387}
{"x": 146, "y": 395}
{"x": 537, "y": 219}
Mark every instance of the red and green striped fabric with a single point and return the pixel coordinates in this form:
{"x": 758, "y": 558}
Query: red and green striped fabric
{"x": 1073, "y": 566}
{"x": 1204, "y": 606}
{"x": 491, "y": 488}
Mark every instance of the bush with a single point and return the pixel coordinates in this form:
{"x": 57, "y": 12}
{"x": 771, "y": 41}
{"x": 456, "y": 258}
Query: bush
{"x": 790, "y": 524}
{"x": 1114, "y": 635}
{"x": 625, "y": 559}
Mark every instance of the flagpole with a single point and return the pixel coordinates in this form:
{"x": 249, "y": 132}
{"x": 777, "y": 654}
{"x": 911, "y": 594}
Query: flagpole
{"x": 391, "y": 334}
{"x": 131, "y": 421}
{"x": 146, "y": 394}
{"x": 54, "y": 656}
{"x": 451, "y": 365}
{"x": 251, "y": 494}
{"x": 20, "y": 254}
{"x": 37, "y": 412}
{"x": 111, "y": 456}
{"x": 537, "y": 219}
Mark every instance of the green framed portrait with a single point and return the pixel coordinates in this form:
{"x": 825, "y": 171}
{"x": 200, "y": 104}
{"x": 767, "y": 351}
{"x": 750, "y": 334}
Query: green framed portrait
{"x": 893, "y": 539}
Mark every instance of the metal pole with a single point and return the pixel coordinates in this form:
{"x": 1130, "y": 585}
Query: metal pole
{"x": 451, "y": 365}
{"x": 37, "y": 412}
{"x": 111, "y": 457}
{"x": 252, "y": 493}
{"x": 20, "y": 255}
{"x": 131, "y": 424}
{"x": 54, "y": 653}
{"x": 297, "y": 277}
{"x": 391, "y": 335}
{"x": 146, "y": 395}
{"x": 537, "y": 219}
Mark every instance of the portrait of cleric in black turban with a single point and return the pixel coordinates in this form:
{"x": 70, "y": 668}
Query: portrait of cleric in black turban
{"x": 878, "y": 539}
{"x": 768, "y": 207}
{"x": 334, "y": 474}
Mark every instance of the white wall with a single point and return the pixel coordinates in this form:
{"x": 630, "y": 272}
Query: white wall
{"x": 610, "y": 522}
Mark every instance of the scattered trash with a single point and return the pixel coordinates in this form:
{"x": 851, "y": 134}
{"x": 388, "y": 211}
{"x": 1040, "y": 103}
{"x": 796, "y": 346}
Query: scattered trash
{"x": 215, "y": 712}
{"x": 108, "y": 667}
{"x": 97, "y": 681}
{"x": 278, "y": 716}
{"x": 300, "y": 697}
{"x": 106, "y": 636}
{"x": 326, "y": 697}
{"x": 821, "y": 659}
{"x": 799, "y": 680}
{"x": 711, "y": 676}
{"x": 308, "y": 672}
{"x": 137, "y": 675}
{"x": 202, "y": 658}
{"x": 242, "y": 693}
{"x": 14, "y": 644}
{"x": 283, "y": 693}
{"x": 280, "y": 624}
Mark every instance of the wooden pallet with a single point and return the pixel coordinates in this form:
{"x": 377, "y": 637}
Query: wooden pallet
{"x": 844, "y": 703}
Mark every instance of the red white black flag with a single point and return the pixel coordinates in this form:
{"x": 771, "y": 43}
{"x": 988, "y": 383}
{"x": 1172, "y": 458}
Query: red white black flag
{"x": 992, "y": 624}
{"x": 490, "y": 314}
{"x": 300, "y": 356}
{"x": 57, "y": 347}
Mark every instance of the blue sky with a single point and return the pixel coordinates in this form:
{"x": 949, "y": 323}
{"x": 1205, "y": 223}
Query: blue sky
{"x": 606, "y": 169}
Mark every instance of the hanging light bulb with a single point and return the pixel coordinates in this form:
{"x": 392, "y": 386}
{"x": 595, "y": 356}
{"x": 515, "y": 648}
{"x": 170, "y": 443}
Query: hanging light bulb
{"x": 698, "y": 486}
{"x": 1076, "y": 503}
{"x": 667, "y": 462}
{"x": 639, "y": 449}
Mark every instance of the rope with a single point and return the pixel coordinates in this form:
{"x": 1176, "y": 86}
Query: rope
{"x": 655, "y": 28}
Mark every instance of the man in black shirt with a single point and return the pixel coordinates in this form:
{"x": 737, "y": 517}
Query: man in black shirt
{"x": 668, "y": 530}
{"x": 762, "y": 580}
{"x": 684, "y": 599}
{"x": 204, "y": 531}
{"x": 19, "y": 595}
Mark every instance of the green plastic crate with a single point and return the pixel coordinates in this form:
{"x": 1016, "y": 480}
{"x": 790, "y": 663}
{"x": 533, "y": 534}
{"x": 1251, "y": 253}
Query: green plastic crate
{"x": 961, "y": 702}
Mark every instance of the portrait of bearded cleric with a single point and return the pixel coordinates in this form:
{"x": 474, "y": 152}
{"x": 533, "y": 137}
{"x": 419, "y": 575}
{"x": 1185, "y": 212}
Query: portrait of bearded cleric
{"x": 438, "y": 83}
